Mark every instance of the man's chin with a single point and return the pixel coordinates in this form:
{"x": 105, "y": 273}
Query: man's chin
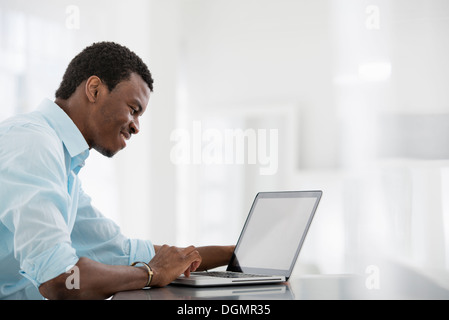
{"x": 106, "y": 152}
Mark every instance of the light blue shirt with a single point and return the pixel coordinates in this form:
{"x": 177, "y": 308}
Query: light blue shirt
{"x": 47, "y": 222}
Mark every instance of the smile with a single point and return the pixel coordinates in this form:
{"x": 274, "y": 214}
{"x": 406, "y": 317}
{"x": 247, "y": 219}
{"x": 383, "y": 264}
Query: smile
{"x": 125, "y": 136}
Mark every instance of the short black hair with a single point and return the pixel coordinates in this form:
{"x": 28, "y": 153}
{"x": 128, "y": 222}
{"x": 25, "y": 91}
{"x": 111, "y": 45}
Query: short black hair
{"x": 109, "y": 61}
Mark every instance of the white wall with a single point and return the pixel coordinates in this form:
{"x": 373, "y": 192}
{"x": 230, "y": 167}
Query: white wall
{"x": 347, "y": 67}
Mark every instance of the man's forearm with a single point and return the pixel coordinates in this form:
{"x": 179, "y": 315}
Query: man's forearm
{"x": 96, "y": 280}
{"x": 100, "y": 281}
{"x": 214, "y": 256}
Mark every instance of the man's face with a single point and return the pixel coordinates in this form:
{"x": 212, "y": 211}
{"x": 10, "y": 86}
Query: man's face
{"x": 116, "y": 115}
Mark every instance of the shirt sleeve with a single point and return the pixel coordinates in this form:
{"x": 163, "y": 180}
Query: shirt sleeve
{"x": 34, "y": 202}
{"x": 99, "y": 238}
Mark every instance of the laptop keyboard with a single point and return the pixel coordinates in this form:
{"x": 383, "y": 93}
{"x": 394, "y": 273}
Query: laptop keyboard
{"x": 227, "y": 274}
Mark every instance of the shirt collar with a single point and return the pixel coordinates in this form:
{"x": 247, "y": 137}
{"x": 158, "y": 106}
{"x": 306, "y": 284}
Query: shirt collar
{"x": 67, "y": 131}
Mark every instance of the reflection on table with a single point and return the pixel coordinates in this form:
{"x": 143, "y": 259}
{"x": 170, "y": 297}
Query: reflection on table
{"x": 307, "y": 287}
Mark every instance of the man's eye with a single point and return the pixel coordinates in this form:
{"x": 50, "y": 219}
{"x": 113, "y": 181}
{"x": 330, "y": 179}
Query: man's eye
{"x": 133, "y": 111}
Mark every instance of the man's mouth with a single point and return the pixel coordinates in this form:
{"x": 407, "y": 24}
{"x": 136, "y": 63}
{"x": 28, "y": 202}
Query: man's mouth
{"x": 125, "y": 136}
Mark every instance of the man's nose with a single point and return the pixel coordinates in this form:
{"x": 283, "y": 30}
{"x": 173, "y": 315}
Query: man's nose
{"x": 135, "y": 126}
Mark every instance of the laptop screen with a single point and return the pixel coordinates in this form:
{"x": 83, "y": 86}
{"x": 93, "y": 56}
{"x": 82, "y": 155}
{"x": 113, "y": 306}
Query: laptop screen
{"x": 274, "y": 232}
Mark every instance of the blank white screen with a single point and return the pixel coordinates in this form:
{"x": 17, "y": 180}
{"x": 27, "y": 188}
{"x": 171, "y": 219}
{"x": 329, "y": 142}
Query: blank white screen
{"x": 274, "y": 232}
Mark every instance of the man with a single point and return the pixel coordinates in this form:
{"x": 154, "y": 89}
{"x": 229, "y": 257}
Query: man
{"x": 49, "y": 231}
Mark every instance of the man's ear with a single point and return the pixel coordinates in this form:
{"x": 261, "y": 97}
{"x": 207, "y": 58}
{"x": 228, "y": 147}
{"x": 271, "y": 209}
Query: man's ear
{"x": 92, "y": 88}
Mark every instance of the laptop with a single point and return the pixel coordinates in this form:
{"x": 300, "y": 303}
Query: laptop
{"x": 269, "y": 243}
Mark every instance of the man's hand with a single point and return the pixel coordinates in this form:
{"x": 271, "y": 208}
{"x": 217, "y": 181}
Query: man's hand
{"x": 170, "y": 262}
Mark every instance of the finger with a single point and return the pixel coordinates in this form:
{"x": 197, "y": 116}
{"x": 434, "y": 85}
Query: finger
{"x": 189, "y": 250}
{"x": 194, "y": 260}
{"x": 191, "y": 253}
{"x": 194, "y": 265}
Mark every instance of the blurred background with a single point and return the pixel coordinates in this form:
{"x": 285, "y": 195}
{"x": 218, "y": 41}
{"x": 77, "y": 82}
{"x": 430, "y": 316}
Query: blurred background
{"x": 346, "y": 96}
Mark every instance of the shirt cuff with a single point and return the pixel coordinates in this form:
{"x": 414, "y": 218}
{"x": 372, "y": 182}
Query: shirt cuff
{"x": 49, "y": 264}
{"x": 140, "y": 250}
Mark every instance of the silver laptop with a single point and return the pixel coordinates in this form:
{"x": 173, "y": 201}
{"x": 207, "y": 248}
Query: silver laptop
{"x": 269, "y": 243}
